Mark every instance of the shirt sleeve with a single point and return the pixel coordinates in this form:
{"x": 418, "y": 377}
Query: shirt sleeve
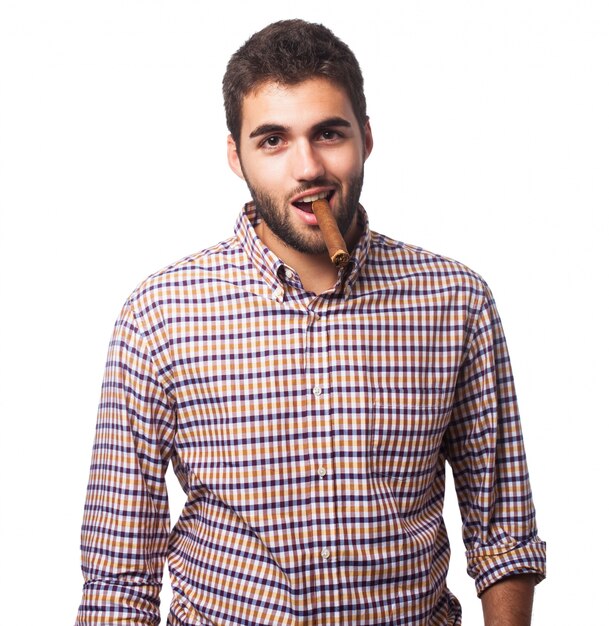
{"x": 126, "y": 519}
{"x": 485, "y": 449}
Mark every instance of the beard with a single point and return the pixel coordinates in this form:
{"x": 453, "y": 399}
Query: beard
{"x": 277, "y": 215}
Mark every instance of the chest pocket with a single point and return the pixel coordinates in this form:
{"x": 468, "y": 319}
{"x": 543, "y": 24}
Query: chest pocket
{"x": 407, "y": 432}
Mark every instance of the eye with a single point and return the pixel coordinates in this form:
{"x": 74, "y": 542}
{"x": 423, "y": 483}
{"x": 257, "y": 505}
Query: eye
{"x": 273, "y": 141}
{"x": 330, "y": 135}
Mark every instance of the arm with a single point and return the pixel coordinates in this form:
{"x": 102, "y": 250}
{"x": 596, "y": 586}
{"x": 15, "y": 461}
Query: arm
{"x": 509, "y": 602}
{"x": 485, "y": 449}
{"x": 126, "y": 520}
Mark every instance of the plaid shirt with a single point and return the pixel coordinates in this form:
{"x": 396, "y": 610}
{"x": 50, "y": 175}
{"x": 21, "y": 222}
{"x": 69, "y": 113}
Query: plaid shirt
{"x": 310, "y": 434}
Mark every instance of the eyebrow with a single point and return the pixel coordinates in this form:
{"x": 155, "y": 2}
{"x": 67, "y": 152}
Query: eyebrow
{"x": 330, "y": 122}
{"x": 263, "y": 129}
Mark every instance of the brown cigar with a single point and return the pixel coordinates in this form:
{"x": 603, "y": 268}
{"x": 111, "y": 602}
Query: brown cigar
{"x": 337, "y": 248}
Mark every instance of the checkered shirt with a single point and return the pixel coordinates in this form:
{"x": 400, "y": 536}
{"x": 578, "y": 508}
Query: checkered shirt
{"x": 310, "y": 434}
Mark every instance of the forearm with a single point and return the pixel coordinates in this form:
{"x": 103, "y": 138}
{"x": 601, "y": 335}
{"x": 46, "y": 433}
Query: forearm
{"x": 509, "y": 602}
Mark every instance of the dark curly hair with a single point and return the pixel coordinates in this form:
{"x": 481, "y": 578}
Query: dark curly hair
{"x": 289, "y": 52}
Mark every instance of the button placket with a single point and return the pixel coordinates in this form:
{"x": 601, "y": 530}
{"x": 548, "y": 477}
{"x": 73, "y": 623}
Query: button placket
{"x": 322, "y": 439}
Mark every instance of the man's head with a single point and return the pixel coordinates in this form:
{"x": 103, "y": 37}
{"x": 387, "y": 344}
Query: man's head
{"x": 287, "y": 53}
{"x": 297, "y": 115}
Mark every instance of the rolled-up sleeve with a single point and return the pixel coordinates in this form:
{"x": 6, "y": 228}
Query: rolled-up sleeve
{"x": 126, "y": 520}
{"x": 485, "y": 448}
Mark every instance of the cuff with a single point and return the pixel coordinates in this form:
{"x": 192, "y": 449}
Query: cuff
{"x": 488, "y": 564}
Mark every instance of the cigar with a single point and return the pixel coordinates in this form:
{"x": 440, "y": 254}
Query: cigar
{"x": 337, "y": 248}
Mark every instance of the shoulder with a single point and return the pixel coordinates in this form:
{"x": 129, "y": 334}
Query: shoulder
{"x": 188, "y": 275}
{"x": 407, "y": 263}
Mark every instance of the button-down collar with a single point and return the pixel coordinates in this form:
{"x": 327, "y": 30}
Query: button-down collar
{"x": 276, "y": 273}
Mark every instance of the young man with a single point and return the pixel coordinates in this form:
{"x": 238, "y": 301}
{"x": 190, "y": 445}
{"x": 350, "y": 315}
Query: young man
{"x": 308, "y": 411}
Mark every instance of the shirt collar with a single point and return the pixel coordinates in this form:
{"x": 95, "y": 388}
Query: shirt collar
{"x": 272, "y": 268}
{"x": 359, "y": 254}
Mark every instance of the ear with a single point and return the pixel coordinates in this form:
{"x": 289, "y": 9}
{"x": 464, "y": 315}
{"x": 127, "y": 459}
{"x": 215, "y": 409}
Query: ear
{"x": 368, "y": 141}
{"x": 233, "y": 157}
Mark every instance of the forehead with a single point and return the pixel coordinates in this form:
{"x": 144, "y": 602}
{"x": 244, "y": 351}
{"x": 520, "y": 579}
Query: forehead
{"x": 300, "y": 105}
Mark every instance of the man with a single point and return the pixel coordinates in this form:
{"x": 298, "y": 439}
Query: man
{"x": 308, "y": 411}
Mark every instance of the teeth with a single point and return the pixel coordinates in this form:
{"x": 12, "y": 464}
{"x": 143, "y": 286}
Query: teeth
{"x": 315, "y": 196}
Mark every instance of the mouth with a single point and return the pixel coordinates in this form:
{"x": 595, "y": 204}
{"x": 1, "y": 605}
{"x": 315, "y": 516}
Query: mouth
{"x": 305, "y": 202}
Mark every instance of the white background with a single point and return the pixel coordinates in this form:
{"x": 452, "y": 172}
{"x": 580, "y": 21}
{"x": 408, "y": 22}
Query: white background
{"x": 491, "y": 146}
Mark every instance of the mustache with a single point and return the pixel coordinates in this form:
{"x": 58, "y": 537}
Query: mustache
{"x": 319, "y": 182}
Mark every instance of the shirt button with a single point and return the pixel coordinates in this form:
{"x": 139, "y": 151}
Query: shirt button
{"x": 277, "y": 293}
{"x": 317, "y": 391}
{"x": 325, "y": 553}
{"x": 289, "y": 274}
{"x": 322, "y": 471}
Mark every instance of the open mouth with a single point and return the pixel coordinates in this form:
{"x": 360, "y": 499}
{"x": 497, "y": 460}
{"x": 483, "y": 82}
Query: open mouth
{"x": 306, "y": 202}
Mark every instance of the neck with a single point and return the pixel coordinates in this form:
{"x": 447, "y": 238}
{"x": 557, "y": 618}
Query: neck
{"x": 316, "y": 271}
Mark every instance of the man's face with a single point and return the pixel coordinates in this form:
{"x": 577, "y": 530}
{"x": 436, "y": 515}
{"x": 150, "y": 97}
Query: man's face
{"x": 300, "y": 142}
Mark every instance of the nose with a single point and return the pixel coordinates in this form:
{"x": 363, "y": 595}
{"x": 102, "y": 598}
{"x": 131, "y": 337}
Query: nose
{"x": 307, "y": 163}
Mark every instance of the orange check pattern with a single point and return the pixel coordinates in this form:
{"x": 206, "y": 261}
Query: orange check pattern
{"x": 310, "y": 434}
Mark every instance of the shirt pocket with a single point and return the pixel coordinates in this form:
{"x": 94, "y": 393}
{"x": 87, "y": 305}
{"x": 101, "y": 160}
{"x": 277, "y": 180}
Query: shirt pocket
{"x": 407, "y": 431}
